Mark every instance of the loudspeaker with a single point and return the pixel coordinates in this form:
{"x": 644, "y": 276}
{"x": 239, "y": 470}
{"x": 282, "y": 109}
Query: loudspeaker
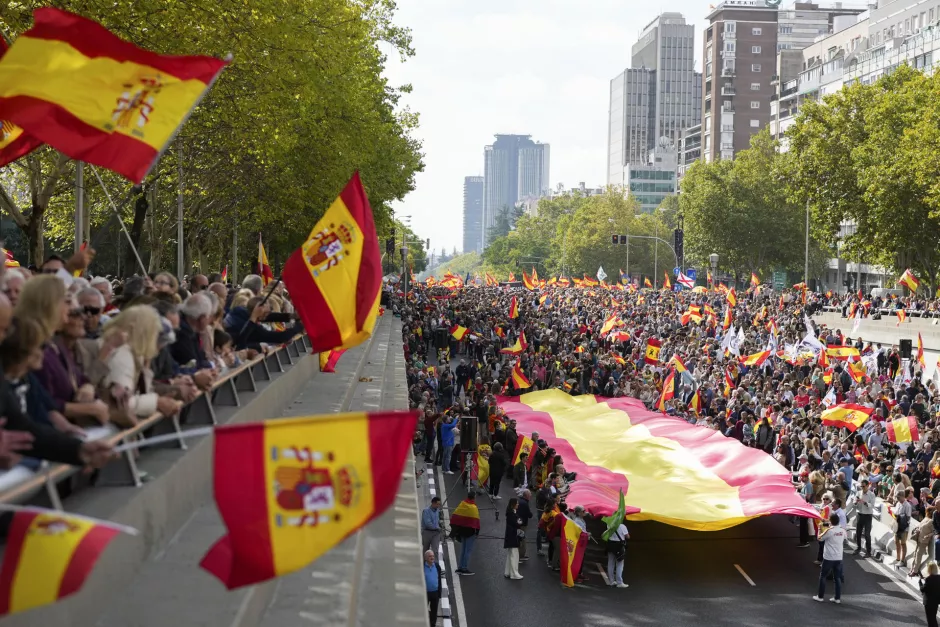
{"x": 905, "y": 346}
{"x": 468, "y": 434}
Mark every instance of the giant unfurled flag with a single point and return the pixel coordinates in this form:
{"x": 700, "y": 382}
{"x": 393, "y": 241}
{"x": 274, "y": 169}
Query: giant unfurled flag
{"x": 516, "y": 348}
{"x": 920, "y": 351}
{"x": 335, "y": 277}
{"x": 329, "y": 359}
{"x": 48, "y": 556}
{"x": 467, "y": 514}
{"x": 513, "y": 309}
{"x": 519, "y": 380}
{"x": 669, "y": 391}
{"x": 909, "y": 281}
{"x": 903, "y": 429}
{"x": 289, "y": 490}
{"x": 653, "y": 347}
{"x": 70, "y": 83}
{"x": 14, "y": 143}
{"x": 263, "y": 267}
{"x": 846, "y": 415}
{"x": 458, "y": 332}
{"x": 732, "y": 298}
{"x": 670, "y": 471}
{"x": 523, "y": 445}
{"x": 573, "y": 546}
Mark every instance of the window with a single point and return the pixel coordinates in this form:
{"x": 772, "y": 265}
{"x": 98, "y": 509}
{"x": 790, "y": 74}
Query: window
{"x": 730, "y": 27}
{"x": 755, "y": 86}
{"x": 755, "y": 104}
{"x": 755, "y": 67}
{"x": 785, "y": 30}
{"x": 755, "y": 123}
{"x": 729, "y": 46}
{"x": 755, "y": 31}
{"x": 755, "y": 49}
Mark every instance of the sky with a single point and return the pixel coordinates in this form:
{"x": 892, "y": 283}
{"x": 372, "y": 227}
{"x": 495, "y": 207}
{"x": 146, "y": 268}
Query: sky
{"x": 531, "y": 67}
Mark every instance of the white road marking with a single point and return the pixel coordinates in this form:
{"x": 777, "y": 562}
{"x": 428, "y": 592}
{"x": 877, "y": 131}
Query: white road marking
{"x": 603, "y": 572}
{"x": 455, "y": 579}
{"x": 744, "y": 574}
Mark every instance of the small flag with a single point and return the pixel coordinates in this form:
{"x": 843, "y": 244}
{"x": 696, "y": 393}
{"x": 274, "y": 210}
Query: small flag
{"x": 726, "y": 321}
{"x": 512, "y": 277}
{"x": 902, "y": 316}
{"x": 667, "y": 284}
{"x": 653, "y": 347}
{"x": 329, "y": 359}
{"x": 70, "y": 83}
{"x": 573, "y": 545}
{"x": 458, "y": 332}
{"x": 523, "y": 445}
{"x": 754, "y": 280}
{"x": 843, "y": 352}
{"x": 696, "y": 403}
{"x": 920, "y": 351}
{"x": 516, "y": 348}
{"x": 527, "y": 282}
{"x": 846, "y": 415}
{"x": 225, "y": 274}
{"x": 909, "y": 280}
{"x": 757, "y": 359}
{"x": 48, "y": 556}
{"x": 264, "y": 268}
{"x": 669, "y": 391}
{"x": 519, "y": 380}
{"x": 335, "y": 277}
{"x": 903, "y": 429}
{"x": 646, "y": 282}
{"x": 480, "y": 467}
{"x": 289, "y": 490}
{"x": 513, "y": 308}
{"x": 732, "y": 298}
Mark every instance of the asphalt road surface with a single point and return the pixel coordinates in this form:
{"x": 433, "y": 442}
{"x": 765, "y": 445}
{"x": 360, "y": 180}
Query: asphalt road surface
{"x": 679, "y": 577}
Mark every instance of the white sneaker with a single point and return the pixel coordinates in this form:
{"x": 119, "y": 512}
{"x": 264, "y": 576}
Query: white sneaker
{"x": 519, "y": 577}
{"x": 820, "y": 599}
{"x": 623, "y": 585}
{"x": 448, "y": 472}
{"x": 817, "y": 562}
{"x": 497, "y": 498}
{"x": 836, "y": 601}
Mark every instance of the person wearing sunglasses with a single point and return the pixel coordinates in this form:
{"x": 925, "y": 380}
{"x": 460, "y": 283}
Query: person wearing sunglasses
{"x": 92, "y": 303}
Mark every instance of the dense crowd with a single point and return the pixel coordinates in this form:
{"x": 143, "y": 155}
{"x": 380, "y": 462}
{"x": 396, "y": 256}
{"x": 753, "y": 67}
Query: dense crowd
{"x": 81, "y": 353}
{"x": 775, "y": 405}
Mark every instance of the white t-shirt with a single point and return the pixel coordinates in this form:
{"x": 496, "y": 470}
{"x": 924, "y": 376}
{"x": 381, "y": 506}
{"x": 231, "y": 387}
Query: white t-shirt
{"x": 835, "y": 539}
{"x": 620, "y": 534}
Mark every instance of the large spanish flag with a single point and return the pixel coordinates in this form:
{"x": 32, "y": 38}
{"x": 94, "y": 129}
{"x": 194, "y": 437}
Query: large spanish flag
{"x": 14, "y": 143}
{"x": 903, "y": 429}
{"x": 335, "y": 278}
{"x": 291, "y": 489}
{"x": 72, "y": 84}
{"x": 842, "y": 352}
{"x": 846, "y": 415}
{"x": 573, "y": 545}
{"x": 670, "y": 471}
{"x": 48, "y": 556}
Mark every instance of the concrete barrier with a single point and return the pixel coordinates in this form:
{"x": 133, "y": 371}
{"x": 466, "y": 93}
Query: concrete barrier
{"x": 885, "y": 331}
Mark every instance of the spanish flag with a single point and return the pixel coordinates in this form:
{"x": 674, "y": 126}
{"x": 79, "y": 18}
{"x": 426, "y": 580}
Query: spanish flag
{"x": 902, "y": 316}
{"x": 754, "y": 280}
{"x": 513, "y": 309}
{"x": 920, "y": 351}
{"x": 846, "y": 415}
{"x": 70, "y": 83}
{"x": 516, "y": 348}
{"x": 669, "y": 391}
{"x": 857, "y": 371}
{"x": 667, "y": 284}
{"x": 49, "y": 555}
{"x": 480, "y": 470}
{"x": 653, "y": 347}
{"x": 264, "y": 268}
{"x": 757, "y": 359}
{"x": 458, "y": 332}
{"x": 573, "y": 545}
{"x": 646, "y": 282}
{"x": 329, "y": 359}
{"x": 696, "y": 403}
{"x": 512, "y": 277}
{"x": 842, "y": 352}
{"x": 909, "y": 281}
{"x": 523, "y": 445}
{"x": 726, "y": 321}
{"x": 613, "y": 320}
{"x": 903, "y": 429}
{"x": 527, "y": 282}
{"x": 499, "y": 332}
{"x": 619, "y": 336}
{"x": 732, "y": 298}
{"x": 467, "y": 515}
{"x": 335, "y": 277}
{"x": 289, "y": 490}
{"x": 519, "y": 380}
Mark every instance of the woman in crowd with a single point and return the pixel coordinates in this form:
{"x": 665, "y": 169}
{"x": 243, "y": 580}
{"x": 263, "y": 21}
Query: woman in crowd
{"x": 514, "y": 535}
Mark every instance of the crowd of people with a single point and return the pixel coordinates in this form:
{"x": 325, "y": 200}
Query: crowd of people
{"x": 775, "y": 405}
{"x": 79, "y": 352}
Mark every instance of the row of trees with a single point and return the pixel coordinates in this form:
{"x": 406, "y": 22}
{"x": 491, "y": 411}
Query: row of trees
{"x": 863, "y": 161}
{"x": 302, "y": 106}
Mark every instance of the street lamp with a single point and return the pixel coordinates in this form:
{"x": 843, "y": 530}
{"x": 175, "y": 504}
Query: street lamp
{"x": 713, "y": 259}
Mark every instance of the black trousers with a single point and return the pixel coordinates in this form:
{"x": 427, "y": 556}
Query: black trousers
{"x": 804, "y": 530}
{"x": 863, "y": 530}
{"x": 434, "y": 599}
{"x": 931, "y": 609}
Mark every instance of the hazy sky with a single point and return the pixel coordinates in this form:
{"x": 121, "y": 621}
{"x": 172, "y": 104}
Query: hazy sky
{"x": 534, "y": 67}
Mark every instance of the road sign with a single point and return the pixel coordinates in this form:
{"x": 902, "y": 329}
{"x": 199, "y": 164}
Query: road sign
{"x": 675, "y": 271}
{"x": 691, "y": 273}
{"x": 780, "y": 280}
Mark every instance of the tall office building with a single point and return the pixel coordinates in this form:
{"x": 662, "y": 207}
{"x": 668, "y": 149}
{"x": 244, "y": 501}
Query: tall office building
{"x": 472, "y": 214}
{"x": 658, "y": 96}
{"x": 514, "y": 168}
{"x": 741, "y": 44}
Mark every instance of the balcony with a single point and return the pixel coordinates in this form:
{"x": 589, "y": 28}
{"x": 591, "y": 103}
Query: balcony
{"x": 727, "y": 90}
{"x": 727, "y": 108}
{"x": 727, "y": 147}
{"x": 727, "y": 128}
{"x": 727, "y": 71}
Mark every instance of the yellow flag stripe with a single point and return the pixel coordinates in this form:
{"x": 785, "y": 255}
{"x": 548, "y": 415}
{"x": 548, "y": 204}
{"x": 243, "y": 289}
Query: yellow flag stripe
{"x": 44, "y": 558}
{"x": 91, "y": 89}
{"x": 337, "y": 487}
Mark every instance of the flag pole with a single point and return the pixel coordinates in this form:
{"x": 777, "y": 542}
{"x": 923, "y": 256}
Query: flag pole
{"x": 117, "y": 213}
{"x": 30, "y": 509}
{"x": 161, "y": 439}
{"x": 271, "y": 291}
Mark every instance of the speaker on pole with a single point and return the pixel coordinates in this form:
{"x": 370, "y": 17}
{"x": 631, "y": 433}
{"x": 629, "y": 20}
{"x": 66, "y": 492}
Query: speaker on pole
{"x": 468, "y": 434}
{"x": 906, "y": 347}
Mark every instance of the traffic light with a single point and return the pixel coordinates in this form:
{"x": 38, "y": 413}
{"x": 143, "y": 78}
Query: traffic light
{"x": 614, "y": 239}
{"x": 390, "y": 246}
{"x": 623, "y": 240}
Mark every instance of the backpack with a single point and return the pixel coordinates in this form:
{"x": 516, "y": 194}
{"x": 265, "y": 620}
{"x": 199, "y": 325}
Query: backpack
{"x": 542, "y": 496}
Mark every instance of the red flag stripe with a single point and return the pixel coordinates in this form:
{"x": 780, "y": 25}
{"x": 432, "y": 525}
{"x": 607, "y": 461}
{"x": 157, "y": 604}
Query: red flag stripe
{"x": 84, "y": 557}
{"x": 369, "y": 281}
{"x": 11, "y": 555}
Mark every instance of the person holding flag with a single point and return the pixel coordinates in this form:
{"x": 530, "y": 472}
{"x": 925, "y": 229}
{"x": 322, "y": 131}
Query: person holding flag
{"x": 464, "y": 528}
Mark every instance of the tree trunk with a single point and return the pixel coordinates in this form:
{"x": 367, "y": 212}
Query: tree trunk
{"x": 136, "y": 229}
{"x": 34, "y": 239}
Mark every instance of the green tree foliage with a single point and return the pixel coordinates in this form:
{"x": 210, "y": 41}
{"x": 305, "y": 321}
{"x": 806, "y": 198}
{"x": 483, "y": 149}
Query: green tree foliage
{"x": 740, "y": 210}
{"x": 417, "y": 255}
{"x": 460, "y": 265}
{"x": 302, "y": 106}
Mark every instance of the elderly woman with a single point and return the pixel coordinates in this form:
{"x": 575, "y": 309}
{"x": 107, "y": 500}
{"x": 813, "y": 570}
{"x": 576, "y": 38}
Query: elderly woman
{"x": 12, "y": 283}
{"x": 129, "y": 373}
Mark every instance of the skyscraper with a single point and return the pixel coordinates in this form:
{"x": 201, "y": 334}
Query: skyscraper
{"x": 472, "y": 214}
{"x": 659, "y": 96}
{"x": 514, "y": 168}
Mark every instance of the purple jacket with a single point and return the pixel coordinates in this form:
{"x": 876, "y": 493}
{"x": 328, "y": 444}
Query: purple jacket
{"x": 60, "y": 375}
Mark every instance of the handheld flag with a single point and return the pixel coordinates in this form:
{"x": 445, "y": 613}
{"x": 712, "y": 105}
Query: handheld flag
{"x": 669, "y": 391}
{"x": 732, "y": 298}
{"x": 458, "y": 332}
{"x": 754, "y": 280}
{"x": 573, "y": 545}
{"x": 757, "y": 359}
{"x": 335, "y": 278}
{"x": 653, "y": 347}
{"x": 291, "y": 489}
{"x": 480, "y": 469}
{"x": 909, "y": 281}
{"x": 519, "y": 380}
{"x": 513, "y": 309}
{"x": 695, "y": 404}
{"x": 329, "y": 359}
{"x": 516, "y": 348}
{"x": 14, "y": 143}
{"x": 903, "y": 429}
{"x": 264, "y": 268}
{"x": 920, "y": 351}
{"x": 726, "y": 321}
{"x": 846, "y": 415}
{"x": 667, "y": 284}
{"x": 614, "y": 521}
{"x": 902, "y": 316}
{"x": 49, "y": 555}
{"x": 527, "y": 282}
{"x": 523, "y": 445}
{"x": 646, "y": 282}
{"x": 70, "y": 83}
{"x": 225, "y": 274}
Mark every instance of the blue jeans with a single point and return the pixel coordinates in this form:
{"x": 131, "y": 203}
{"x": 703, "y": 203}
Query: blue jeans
{"x": 466, "y": 548}
{"x": 446, "y": 458}
{"x": 834, "y": 567}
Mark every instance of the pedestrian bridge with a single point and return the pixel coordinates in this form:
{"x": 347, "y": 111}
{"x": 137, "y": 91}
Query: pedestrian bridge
{"x": 154, "y": 579}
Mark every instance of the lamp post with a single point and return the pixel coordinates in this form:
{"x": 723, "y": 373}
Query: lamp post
{"x": 713, "y": 259}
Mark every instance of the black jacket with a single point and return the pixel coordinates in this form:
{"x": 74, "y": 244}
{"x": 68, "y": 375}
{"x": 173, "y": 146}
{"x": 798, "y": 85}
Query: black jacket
{"x": 48, "y": 443}
{"x": 246, "y": 333}
{"x": 187, "y": 350}
{"x": 519, "y": 473}
{"x": 498, "y": 464}
{"x": 510, "y": 539}
{"x": 931, "y": 589}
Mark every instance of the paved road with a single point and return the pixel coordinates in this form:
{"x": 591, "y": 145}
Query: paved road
{"x": 680, "y": 577}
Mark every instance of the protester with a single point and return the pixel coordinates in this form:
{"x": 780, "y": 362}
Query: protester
{"x": 616, "y": 555}
{"x": 431, "y": 525}
{"x": 513, "y": 537}
{"x": 432, "y": 584}
{"x": 833, "y": 536}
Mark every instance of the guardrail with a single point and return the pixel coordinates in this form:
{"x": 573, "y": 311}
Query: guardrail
{"x": 887, "y": 311}
{"x": 20, "y": 484}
